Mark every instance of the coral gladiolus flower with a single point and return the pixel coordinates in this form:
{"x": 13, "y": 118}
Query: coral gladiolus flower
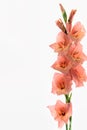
{"x": 61, "y": 84}
{"x": 62, "y": 42}
{"x": 78, "y": 75}
{"x": 62, "y": 64}
{"x": 75, "y": 52}
{"x": 77, "y": 32}
{"x": 61, "y": 112}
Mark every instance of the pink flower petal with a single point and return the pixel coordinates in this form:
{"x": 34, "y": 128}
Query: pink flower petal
{"x": 61, "y": 112}
{"x": 62, "y": 43}
{"x": 62, "y": 64}
{"x": 61, "y": 84}
{"x": 79, "y": 75}
{"x": 76, "y": 54}
{"x": 77, "y": 32}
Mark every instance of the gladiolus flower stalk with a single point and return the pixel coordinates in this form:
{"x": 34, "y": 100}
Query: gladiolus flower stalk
{"x": 70, "y": 57}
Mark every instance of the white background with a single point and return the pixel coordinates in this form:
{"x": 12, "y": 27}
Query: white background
{"x": 27, "y": 28}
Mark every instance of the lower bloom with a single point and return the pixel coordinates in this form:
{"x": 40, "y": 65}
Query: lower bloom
{"x": 61, "y": 84}
{"x": 61, "y": 112}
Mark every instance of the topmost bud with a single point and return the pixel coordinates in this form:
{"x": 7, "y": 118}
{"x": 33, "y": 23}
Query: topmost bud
{"x": 63, "y": 13}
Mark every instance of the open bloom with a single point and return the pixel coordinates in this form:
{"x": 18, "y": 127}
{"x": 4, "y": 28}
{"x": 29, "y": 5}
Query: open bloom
{"x": 77, "y": 32}
{"x": 78, "y": 75}
{"x": 62, "y": 64}
{"x": 62, "y": 42}
{"x": 61, "y": 84}
{"x": 61, "y": 112}
{"x": 76, "y": 54}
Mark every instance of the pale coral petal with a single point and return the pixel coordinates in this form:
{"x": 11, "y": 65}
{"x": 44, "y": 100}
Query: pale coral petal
{"x": 76, "y": 54}
{"x": 62, "y": 43}
{"x": 79, "y": 75}
{"x": 60, "y": 123}
{"x": 53, "y": 111}
{"x": 77, "y": 32}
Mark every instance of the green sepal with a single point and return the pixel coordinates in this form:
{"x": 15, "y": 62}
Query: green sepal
{"x": 64, "y": 16}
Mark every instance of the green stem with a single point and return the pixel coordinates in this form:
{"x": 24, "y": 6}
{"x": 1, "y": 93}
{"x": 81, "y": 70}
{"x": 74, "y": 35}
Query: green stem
{"x": 66, "y": 97}
{"x": 66, "y": 126}
{"x": 68, "y": 100}
{"x": 70, "y": 125}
